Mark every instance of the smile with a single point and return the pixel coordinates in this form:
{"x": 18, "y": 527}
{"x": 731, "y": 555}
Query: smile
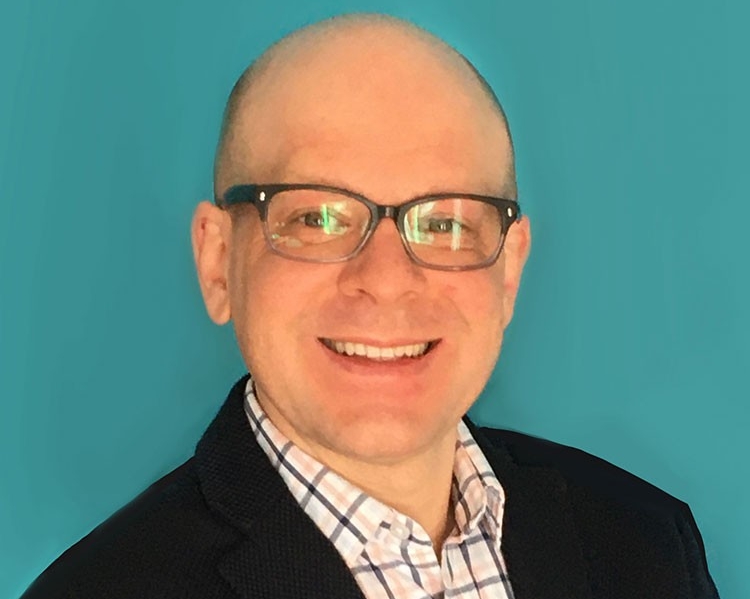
{"x": 372, "y": 352}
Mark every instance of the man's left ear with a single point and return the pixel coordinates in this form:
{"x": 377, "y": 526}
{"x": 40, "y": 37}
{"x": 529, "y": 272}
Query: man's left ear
{"x": 516, "y": 250}
{"x": 209, "y": 234}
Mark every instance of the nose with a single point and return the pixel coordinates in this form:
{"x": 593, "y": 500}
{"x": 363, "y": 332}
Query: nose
{"x": 382, "y": 269}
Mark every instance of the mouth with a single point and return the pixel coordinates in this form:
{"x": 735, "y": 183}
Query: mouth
{"x": 380, "y": 353}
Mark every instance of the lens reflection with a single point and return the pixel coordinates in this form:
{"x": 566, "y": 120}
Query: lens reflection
{"x": 453, "y": 232}
{"x": 316, "y": 224}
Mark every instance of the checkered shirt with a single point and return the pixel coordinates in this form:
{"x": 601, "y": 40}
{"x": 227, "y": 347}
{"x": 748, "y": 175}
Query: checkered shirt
{"x": 389, "y": 554}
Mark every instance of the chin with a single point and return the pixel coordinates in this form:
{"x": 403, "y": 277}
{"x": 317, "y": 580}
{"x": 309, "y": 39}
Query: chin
{"x": 384, "y": 437}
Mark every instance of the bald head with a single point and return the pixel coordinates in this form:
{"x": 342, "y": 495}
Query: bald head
{"x": 354, "y": 73}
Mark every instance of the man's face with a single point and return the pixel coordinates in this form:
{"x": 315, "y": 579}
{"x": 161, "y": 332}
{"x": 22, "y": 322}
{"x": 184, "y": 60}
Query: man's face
{"x": 390, "y": 133}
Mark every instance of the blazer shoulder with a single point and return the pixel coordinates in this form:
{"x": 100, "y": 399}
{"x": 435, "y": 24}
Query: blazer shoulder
{"x": 582, "y": 470}
{"x": 616, "y": 512}
{"x": 154, "y": 533}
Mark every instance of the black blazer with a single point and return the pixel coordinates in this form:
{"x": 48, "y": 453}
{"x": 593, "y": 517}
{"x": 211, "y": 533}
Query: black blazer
{"x": 224, "y": 525}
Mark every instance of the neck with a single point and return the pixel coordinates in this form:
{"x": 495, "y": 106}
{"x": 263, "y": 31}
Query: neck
{"x": 419, "y": 487}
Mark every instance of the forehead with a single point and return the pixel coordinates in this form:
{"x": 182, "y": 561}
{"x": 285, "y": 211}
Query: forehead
{"x": 381, "y": 117}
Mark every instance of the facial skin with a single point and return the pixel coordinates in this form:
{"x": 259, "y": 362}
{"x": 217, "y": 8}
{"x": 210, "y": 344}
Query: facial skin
{"x": 378, "y": 110}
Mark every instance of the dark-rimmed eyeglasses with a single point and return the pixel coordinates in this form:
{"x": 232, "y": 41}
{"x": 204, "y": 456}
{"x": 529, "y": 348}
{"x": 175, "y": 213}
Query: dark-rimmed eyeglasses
{"x": 319, "y": 223}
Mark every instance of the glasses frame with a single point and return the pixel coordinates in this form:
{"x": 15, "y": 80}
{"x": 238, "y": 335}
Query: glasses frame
{"x": 260, "y": 196}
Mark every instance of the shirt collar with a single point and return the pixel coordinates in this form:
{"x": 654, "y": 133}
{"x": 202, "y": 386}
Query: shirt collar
{"x": 478, "y": 497}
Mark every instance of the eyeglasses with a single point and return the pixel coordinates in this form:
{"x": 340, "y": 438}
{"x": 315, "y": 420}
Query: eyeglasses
{"x": 319, "y": 223}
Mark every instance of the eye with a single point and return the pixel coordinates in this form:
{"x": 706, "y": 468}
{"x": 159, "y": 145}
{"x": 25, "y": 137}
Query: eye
{"x": 324, "y": 220}
{"x": 444, "y": 225}
{"x": 314, "y": 219}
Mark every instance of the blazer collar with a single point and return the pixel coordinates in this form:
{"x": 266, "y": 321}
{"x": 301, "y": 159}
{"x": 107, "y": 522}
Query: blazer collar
{"x": 285, "y": 556}
{"x": 540, "y": 541}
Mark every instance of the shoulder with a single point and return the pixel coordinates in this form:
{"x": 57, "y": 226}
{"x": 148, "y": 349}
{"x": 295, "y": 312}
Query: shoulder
{"x": 586, "y": 476}
{"x": 165, "y": 536}
{"x": 627, "y": 528}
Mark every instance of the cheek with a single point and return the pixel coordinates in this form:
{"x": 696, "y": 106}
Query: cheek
{"x": 471, "y": 355}
{"x": 255, "y": 293}
{"x": 479, "y": 297}
{"x": 276, "y": 303}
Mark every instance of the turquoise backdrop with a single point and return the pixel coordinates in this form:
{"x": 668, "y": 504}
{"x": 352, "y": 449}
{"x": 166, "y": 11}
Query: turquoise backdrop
{"x": 631, "y": 337}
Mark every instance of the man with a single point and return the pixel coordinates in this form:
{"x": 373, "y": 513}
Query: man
{"x": 368, "y": 247}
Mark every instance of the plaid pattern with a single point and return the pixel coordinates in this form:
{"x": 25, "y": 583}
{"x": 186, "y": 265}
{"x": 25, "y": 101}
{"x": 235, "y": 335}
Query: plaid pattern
{"x": 389, "y": 554}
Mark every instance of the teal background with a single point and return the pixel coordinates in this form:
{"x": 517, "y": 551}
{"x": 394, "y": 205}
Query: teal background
{"x": 631, "y": 335}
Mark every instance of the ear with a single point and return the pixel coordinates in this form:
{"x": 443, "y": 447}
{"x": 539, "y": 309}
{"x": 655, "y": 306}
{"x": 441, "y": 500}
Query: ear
{"x": 210, "y": 233}
{"x": 516, "y": 250}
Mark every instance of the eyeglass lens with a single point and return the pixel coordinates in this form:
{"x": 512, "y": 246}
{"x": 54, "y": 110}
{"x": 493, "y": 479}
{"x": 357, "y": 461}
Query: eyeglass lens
{"x": 325, "y": 225}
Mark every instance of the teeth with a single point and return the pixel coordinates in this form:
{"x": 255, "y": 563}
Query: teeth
{"x": 377, "y": 353}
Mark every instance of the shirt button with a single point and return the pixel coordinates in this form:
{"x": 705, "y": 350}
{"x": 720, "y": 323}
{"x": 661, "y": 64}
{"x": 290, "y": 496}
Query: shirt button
{"x": 400, "y": 531}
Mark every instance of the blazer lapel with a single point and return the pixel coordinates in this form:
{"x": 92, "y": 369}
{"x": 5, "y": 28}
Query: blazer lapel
{"x": 283, "y": 554}
{"x": 286, "y": 557}
{"x": 539, "y": 539}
